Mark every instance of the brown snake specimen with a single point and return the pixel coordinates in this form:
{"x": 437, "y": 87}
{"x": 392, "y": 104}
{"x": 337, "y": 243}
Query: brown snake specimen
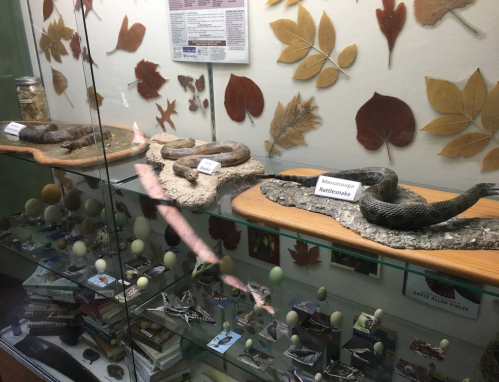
{"x": 86, "y": 140}
{"x": 227, "y": 153}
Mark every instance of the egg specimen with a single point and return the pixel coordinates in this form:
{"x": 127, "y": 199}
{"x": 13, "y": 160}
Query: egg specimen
{"x": 378, "y": 348}
{"x": 378, "y": 314}
{"x": 105, "y": 216}
{"x": 145, "y": 324}
{"x": 295, "y": 340}
{"x": 249, "y": 344}
{"x": 62, "y": 244}
{"x": 120, "y": 219}
{"x": 92, "y": 207}
{"x": 123, "y": 245}
{"x": 52, "y": 214}
{"x": 445, "y": 345}
{"x": 29, "y": 237}
{"x": 137, "y": 247}
{"x": 4, "y": 224}
{"x": 318, "y": 377}
{"x": 51, "y": 194}
{"x": 170, "y": 259}
{"x": 226, "y": 326}
{"x": 103, "y": 236}
{"x": 226, "y": 265}
{"x": 100, "y": 265}
{"x": 72, "y": 200}
{"x": 87, "y": 227}
{"x": 322, "y": 294}
{"x": 79, "y": 248}
{"x": 258, "y": 310}
{"x": 336, "y": 320}
{"x": 142, "y": 283}
{"x": 171, "y": 237}
{"x": 68, "y": 224}
{"x": 276, "y": 275}
{"x": 33, "y": 208}
{"x": 141, "y": 228}
{"x": 292, "y": 318}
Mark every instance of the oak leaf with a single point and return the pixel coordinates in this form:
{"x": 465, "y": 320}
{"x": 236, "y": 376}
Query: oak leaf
{"x": 466, "y": 145}
{"x": 383, "y": 120}
{"x": 130, "y": 39}
{"x": 150, "y": 79}
{"x": 225, "y": 230}
{"x": 303, "y": 256}
{"x": 60, "y": 83}
{"x": 88, "y": 4}
{"x": 490, "y": 111}
{"x": 166, "y": 114}
{"x": 93, "y": 103}
{"x": 474, "y": 94}
{"x": 48, "y": 8}
{"x": 242, "y": 96}
{"x": 50, "y": 42}
{"x": 391, "y": 22}
{"x": 429, "y": 11}
{"x": 491, "y": 160}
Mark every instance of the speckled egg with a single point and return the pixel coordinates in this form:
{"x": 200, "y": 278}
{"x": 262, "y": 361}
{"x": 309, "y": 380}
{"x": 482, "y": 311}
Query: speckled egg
{"x": 51, "y": 194}
{"x": 276, "y": 276}
{"x": 123, "y": 245}
{"x": 292, "y": 318}
{"x": 137, "y": 247}
{"x": 87, "y": 227}
{"x": 92, "y": 207}
{"x": 33, "y": 208}
{"x": 295, "y": 340}
{"x": 322, "y": 294}
{"x": 120, "y": 219}
{"x": 171, "y": 237}
{"x": 142, "y": 283}
{"x": 103, "y": 236}
{"x": 79, "y": 248}
{"x": 52, "y": 214}
{"x": 4, "y": 224}
{"x": 170, "y": 259}
{"x": 62, "y": 244}
{"x": 226, "y": 265}
{"x": 141, "y": 228}
{"x": 72, "y": 200}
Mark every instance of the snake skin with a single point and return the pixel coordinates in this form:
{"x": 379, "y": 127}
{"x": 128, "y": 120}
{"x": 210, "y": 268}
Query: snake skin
{"x": 383, "y": 182}
{"x": 51, "y": 134}
{"x": 86, "y": 140}
{"x": 227, "y": 153}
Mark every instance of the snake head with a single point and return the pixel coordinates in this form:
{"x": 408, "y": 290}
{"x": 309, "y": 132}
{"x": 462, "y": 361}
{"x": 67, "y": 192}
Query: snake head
{"x": 66, "y": 144}
{"x": 192, "y": 175}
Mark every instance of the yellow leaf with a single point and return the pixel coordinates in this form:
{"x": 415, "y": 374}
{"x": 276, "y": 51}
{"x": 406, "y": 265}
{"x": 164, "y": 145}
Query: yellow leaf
{"x": 490, "y": 111}
{"x": 447, "y": 125}
{"x": 306, "y": 25}
{"x": 444, "y": 96}
{"x": 286, "y": 30}
{"x": 55, "y": 52}
{"x": 347, "y": 56}
{"x": 474, "y": 94}
{"x": 60, "y": 81}
{"x": 271, "y": 2}
{"x": 44, "y": 39}
{"x": 277, "y": 123}
{"x": 47, "y": 55}
{"x": 289, "y": 2}
{"x": 271, "y": 150}
{"x": 309, "y": 67}
{"x": 291, "y": 138}
{"x": 58, "y": 29}
{"x": 294, "y": 52}
{"x": 466, "y": 145}
{"x": 91, "y": 98}
{"x": 327, "y": 77}
{"x": 491, "y": 161}
{"x": 67, "y": 33}
{"x": 326, "y": 34}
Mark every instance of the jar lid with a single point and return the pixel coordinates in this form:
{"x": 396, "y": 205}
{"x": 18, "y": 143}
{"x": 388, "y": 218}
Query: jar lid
{"x": 28, "y": 81}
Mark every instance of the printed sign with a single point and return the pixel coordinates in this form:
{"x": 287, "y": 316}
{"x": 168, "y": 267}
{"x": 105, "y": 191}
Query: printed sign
{"x": 14, "y": 128}
{"x": 209, "y": 167}
{"x": 338, "y": 188}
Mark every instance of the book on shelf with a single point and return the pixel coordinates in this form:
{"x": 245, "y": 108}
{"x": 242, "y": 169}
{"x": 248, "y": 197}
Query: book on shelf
{"x": 105, "y": 328}
{"x": 113, "y": 352}
{"x": 113, "y": 316}
{"x": 41, "y": 299}
{"x": 165, "y": 359}
{"x": 158, "y": 339}
{"x": 43, "y": 309}
{"x": 44, "y": 279}
{"x": 98, "y": 306}
{"x": 58, "y": 295}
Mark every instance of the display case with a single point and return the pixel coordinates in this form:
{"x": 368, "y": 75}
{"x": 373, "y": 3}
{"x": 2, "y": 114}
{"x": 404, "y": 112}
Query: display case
{"x": 162, "y": 215}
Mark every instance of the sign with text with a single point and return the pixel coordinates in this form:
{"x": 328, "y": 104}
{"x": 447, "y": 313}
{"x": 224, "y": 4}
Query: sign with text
{"x": 209, "y": 167}
{"x": 14, "y": 128}
{"x": 338, "y": 188}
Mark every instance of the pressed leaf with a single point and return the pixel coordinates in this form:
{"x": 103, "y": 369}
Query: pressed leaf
{"x": 48, "y": 8}
{"x": 327, "y": 77}
{"x": 91, "y": 98}
{"x": 474, "y": 94}
{"x": 192, "y": 105}
{"x": 166, "y": 115}
{"x": 347, "y": 56}
{"x": 327, "y": 34}
{"x": 491, "y": 160}
{"x": 271, "y": 150}
{"x": 466, "y": 145}
{"x": 205, "y": 103}
{"x": 225, "y": 230}
{"x": 200, "y": 83}
{"x": 290, "y": 2}
{"x": 75, "y": 45}
{"x": 150, "y": 79}
{"x": 303, "y": 256}
{"x": 291, "y": 138}
{"x": 121, "y": 207}
{"x": 185, "y": 81}
{"x": 444, "y": 96}
{"x": 86, "y": 57}
{"x": 271, "y": 2}
{"x": 447, "y": 124}
{"x": 60, "y": 83}
{"x": 50, "y": 41}
{"x": 130, "y": 39}
{"x": 294, "y": 52}
{"x": 383, "y": 120}
{"x": 148, "y": 207}
{"x": 88, "y": 4}
{"x": 286, "y": 30}
{"x": 490, "y": 111}
{"x": 242, "y": 96}
{"x": 309, "y": 67}
{"x": 391, "y": 22}
{"x": 429, "y": 11}
{"x": 306, "y": 25}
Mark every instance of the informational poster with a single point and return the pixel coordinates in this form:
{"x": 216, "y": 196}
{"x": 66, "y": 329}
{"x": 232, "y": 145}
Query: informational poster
{"x": 209, "y": 30}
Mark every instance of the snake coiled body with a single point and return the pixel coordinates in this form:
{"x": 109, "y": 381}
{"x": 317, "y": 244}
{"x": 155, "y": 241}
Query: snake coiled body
{"x": 227, "y": 153}
{"x": 383, "y": 182}
{"x": 86, "y": 140}
{"x": 44, "y": 134}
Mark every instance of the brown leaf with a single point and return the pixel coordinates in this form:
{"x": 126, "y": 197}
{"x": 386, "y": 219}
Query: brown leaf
{"x": 474, "y": 94}
{"x": 243, "y": 96}
{"x": 306, "y": 25}
{"x": 130, "y": 39}
{"x": 121, "y": 207}
{"x": 86, "y": 57}
{"x": 429, "y": 11}
{"x": 447, "y": 125}
{"x": 75, "y": 45}
{"x": 148, "y": 207}
{"x": 48, "y": 8}
{"x": 309, "y": 67}
{"x": 347, "y": 56}
{"x": 185, "y": 81}
{"x": 466, "y": 145}
{"x": 192, "y": 105}
{"x": 391, "y": 22}
{"x": 88, "y": 4}
{"x": 205, "y": 103}
{"x": 150, "y": 79}
{"x": 93, "y": 183}
{"x": 491, "y": 160}
{"x": 294, "y": 52}
{"x": 271, "y": 150}
{"x": 66, "y": 182}
{"x": 327, "y": 34}
{"x": 286, "y": 30}
{"x": 200, "y": 83}
{"x": 225, "y": 230}
{"x": 91, "y": 98}
{"x": 50, "y": 42}
{"x": 303, "y": 256}
{"x": 166, "y": 114}
{"x": 383, "y": 120}
{"x": 327, "y": 77}
{"x": 59, "y": 80}
{"x": 444, "y": 96}
{"x": 490, "y": 111}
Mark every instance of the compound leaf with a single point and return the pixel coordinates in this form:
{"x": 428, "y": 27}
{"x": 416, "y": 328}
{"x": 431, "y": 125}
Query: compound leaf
{"x": 466, "y": 145}
{"x": 474, "y": 94}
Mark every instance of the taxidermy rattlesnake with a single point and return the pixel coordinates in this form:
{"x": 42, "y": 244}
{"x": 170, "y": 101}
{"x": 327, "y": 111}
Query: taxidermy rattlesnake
{"x": 227, "y": 153}
{"x": 383, "y": 182}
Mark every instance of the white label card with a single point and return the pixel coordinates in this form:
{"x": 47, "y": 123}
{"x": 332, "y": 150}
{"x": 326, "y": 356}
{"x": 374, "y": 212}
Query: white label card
{"x": 14, "y": 128}
{"x": 209, "y": 167}
{"x": 146, "y": 333}
{"x": 338, "y": 188}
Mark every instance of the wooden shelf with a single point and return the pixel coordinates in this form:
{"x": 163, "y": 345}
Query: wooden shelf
{"x": 477, "y": 265}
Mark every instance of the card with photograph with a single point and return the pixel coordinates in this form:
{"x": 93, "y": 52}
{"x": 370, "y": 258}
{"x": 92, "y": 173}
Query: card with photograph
{"x": 294, "y": 374}
{"x": 130, "y": 293}
{"x": 340, "y": 372}
{"x": 256, "y": 359}
{"x": 360, "y": 349}
{"x": 155, "y": 271}
{"x": 412, "y": 372}
{"x": 209, "y": 278}
{"x": 302, "y": 354}
{"x": 256, "y": 289}
{"x": 30, "y": 245}
{"x": 245, "y": 317}
{"x": 367, "y": 323}
{"x": 275, "y": 330}
{"x": 426, "y": 350}
{"x": 219, "y": 300}
{"x": 140, "y": 262}
{"x": 101, "y": 281}
{"x": 303, "y": 304}
{"x": 316, "y": 326}
{"x": 223, "y": 341}
{"x": 263, "y": 245}
{"x": 353, "y": 263}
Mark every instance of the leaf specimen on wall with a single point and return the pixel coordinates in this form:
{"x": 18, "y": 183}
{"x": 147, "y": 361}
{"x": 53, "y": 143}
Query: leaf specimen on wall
{"x": 149, "y": 80}
{"x": 460, "y": 109}
{"x": 429, "y": 11}
{"x": 75, "y": 45}
{"x": 288, "y": 2}
{"x": 289, "y": 124}
{"x": 195, "y": 102}
{"x": 391, "y": 22}
{"x": 226, "y": 231}
{"x": 48, "y": 8}
{"x": 93, "y": 183}
{"x": 300, "y": 36}
{"x": 60, "y": 83}
{"x": 88, "y": 4}
{"x": 91, "y": 98}
{"x": 50, "y": 41}
{"x": 303, "y": 256}
{"x": 383, "y": 120}
{"x": 86, "y": 57}
{"x": 243, "y": 96}
{"x": 130, "y": 39}
{"x": 121, "y": 207}
{"x": 148, "y": 207}
{"x": 166, "y": 114}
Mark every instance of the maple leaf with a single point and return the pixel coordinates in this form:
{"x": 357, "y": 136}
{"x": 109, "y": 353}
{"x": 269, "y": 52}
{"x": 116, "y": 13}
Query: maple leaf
{"x": 88, "y": 4}
{"x": 91, "y": 98}
{"x": 75, "y": 45}
{"x": 149, "y": 79}
{"x": 383, "y": 120}
{"x": 242, "y": 96}
{"x": 48, "y": 8}
{"x": 130, "y": 39}
{"x": 289, "y": 124}
{"x": 121, "y": 207}
{"x": 148, "y": 207}
{"x": 303, "y": 256}
{"x": 166, "y": 115}
{"x": 225, "y": 230}
{"x": 50, "y": 42}
{"x": 429, "y": 11}
{"x": 391, "y": 22}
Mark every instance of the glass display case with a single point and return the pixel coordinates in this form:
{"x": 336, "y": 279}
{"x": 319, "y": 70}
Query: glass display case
{"x": 162, "y": 215}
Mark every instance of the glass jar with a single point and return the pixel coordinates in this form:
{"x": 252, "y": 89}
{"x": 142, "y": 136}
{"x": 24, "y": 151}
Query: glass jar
{"x": 32, "y": 99}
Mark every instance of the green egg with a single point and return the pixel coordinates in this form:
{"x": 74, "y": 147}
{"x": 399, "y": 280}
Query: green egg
{"x": 120, "y": 219}
{"x": 170, "y": 259}
{"x": 276, "y": 276}
{"x": 137, "y": 247}
{"x": 79, "y": 248}
{"x": 33, "y": 207}
{"x": 295, "y": 340}
{"x": 141, "y": 228}
{"x": 92, "y": 207}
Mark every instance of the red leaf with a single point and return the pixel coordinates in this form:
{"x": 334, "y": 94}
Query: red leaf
{"x": 200, "y": 83}
{"x": 130, "y": 39}
{"x": 93, "y": 183}
{"x": 205, "y": 103}
{"x": 48, "y": 8}
{"x": 184, "y": 81}
{"x": 391, "y": 22}
{"x": 166, "y": 115}
{"x": 303, "y": 256}
{"x": 148, "y": 207}
{"x": 193, "y": 106}
{"x": 385, "y": 119}
{"x": 75, "y": 45}
{"x": 86, "y": 57}
{"x": 119, "y": 192}
{"x": 225, "y": 230}
{"x": 242, "y": 96}
{"x": 88, "y": 7}
{"x": 121, "y": 207}
{"x": 150, "y": 79}
{"x": 191, "y": 88}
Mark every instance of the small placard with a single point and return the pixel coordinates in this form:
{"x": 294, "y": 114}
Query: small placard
{"x": 147, "y": 333}
{"x": 14, "y": 128}
{"x": 338, "y": 188}
{"x": 209, "y": 167}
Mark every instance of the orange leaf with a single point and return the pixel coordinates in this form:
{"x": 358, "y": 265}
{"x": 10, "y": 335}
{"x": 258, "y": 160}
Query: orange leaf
{"x": 429, "y": 11}
{"x": 491, "y": 160}
{"x": 166, "y": 114}
{"x": 130, "y": 39}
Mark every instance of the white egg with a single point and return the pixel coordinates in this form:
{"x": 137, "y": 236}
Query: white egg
{"x": 292, "y": 318}
{"x": 170, "y": 259}
{"x": 52, "y": 214}
{"x": 249, "y": 344}
{"x": 100, "y": 265}
{"x": 142, "y": 283}
{"x": 295, "y": 340}
{"x": 378, "y": 348}
{"x": 33, "y": 207}
{"x": 336, "y": 320}
{"x": 318, "y": 377}
{"x": 141, "y": 228}
{"x": 378, "y": 315}
{"x": 79, "y": 248}
{"x": 137, "y": 247}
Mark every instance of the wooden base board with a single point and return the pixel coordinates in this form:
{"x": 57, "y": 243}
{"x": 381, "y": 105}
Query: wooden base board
{"x": 477, "y": 265}
{"x": 13, "y": 371}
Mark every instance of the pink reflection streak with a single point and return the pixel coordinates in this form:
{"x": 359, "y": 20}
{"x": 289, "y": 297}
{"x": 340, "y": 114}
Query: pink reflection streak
{"x": 234, "y": 282}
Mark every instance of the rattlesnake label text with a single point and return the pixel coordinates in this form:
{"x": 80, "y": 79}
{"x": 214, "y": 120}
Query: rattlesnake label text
{"x": 338, "y": 188}
{"x": 209, "y": 167}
